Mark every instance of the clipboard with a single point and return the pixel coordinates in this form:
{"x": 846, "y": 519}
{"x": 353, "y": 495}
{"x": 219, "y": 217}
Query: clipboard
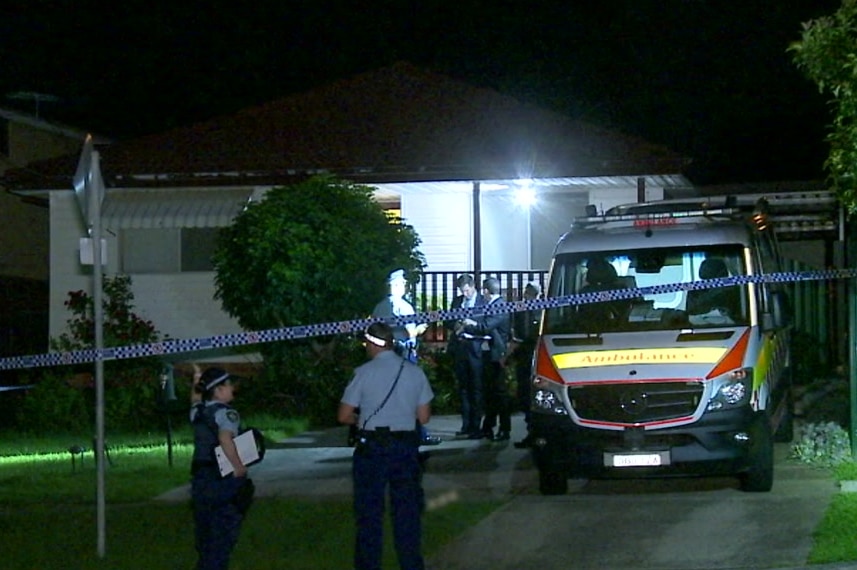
{"x": 245, "y": 443}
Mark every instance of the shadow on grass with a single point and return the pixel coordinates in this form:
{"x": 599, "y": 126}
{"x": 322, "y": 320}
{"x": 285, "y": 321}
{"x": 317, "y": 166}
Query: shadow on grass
{"x": 279, "y": 534}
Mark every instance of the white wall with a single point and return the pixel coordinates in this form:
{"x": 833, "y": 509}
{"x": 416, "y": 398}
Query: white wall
{"x": 67, "y": 274}
{"x": 443, "y": 222}
{"x": 179, "y": 305}
{"x": 182, "y": 305}
{"x": 505, "y": 241}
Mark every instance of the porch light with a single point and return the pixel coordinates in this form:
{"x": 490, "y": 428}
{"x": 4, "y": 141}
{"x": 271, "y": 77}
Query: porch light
{"x": 525, "y": 196}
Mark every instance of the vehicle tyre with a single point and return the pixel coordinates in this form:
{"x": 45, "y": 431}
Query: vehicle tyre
{"x": 552, "y": 482}
{"x": 760, "y": 476}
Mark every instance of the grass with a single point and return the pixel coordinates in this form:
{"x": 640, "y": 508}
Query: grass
{"x": 48, "y": 514}
{"x": 833, "y": 540}
{"x": 48, "y": 519}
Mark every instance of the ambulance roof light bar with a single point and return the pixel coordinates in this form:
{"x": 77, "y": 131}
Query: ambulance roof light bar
{"x": 653, "y": 217}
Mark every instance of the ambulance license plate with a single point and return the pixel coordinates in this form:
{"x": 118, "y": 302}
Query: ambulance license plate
{"x": 637, "y": 459}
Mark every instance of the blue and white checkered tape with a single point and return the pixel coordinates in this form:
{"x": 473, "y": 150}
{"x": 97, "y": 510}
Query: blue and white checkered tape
{"x": 179, "y": 346}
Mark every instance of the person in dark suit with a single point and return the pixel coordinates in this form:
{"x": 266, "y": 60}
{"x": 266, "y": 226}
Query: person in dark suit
{"x": 525, "y": 332}
{"x": 496, "y": 329}
{"x": 466, "y": 352}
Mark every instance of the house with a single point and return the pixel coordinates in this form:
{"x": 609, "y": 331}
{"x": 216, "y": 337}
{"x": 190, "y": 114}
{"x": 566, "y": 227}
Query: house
{"x": 449, "y": 156}
{"x": 24, "y": 271}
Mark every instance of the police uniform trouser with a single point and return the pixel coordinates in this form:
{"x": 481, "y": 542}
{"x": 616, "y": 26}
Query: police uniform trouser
{"x": 216, "y": 516}
{"x": 381, "y": 463}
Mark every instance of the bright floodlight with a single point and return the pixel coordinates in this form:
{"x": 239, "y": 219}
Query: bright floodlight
{"x": 525, "y": 196}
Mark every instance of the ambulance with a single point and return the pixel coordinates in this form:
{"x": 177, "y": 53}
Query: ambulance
{"x": 656, "y": 378}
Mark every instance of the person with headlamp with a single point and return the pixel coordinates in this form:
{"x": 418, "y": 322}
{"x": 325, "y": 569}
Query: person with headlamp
{"x": 391, "y": 394}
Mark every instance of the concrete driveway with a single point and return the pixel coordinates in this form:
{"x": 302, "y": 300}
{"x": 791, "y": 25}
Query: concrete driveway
{"x": 671, "y": 524}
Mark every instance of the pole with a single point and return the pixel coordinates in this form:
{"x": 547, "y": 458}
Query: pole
{"x": 477, "y": 236}
{"x": 851, "y": 288}
{"x": 95, "y": 197}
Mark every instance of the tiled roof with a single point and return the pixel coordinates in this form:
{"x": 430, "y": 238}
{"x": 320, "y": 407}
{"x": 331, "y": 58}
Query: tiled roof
{"x": 400, "y": 123}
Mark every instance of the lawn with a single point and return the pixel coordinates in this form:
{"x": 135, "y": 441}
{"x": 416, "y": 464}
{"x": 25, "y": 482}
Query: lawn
{"x": 48, "y": 514}
{"x": 833, "y": 540}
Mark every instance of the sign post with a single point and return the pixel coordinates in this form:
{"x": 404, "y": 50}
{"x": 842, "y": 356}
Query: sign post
{"x": 89, "y": 188}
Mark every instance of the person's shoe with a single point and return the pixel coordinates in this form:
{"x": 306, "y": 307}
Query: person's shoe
{"x": 524, "y": 443}
{"x": 431, "y": 440}
{"x": 501, "y": 436}
{"x": 478, "y": 435}
{"x": 462, "y": 432}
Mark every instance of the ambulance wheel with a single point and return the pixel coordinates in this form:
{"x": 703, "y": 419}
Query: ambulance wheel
{"x": 759, "y": 478}
{"x": 552, "y": 482}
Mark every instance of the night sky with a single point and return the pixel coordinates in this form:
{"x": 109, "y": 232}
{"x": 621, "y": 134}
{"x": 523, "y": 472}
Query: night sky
{"x": 709, "y": 79}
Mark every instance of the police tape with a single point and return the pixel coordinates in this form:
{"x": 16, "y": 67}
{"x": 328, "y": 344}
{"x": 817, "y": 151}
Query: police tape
{"x": 179, "y": 346}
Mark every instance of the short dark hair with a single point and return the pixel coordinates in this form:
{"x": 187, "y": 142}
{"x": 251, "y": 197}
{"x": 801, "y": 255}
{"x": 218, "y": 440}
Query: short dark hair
{"x": 211, "y": 379}
{"x": 492, "y": 284}
{"x": 382, "y": 331}
{"x": 464, "y": 279}
{"x": 534, "y": 287}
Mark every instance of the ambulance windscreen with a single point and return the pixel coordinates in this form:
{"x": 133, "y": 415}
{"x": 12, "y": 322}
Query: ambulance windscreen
{"x": 612, "y": 280}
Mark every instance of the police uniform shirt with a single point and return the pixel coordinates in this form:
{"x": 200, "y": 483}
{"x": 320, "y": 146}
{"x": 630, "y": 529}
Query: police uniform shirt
{"x": 226, "y": 417}
{"x": 392, "y": 306}
{"x": 371, "y": 384}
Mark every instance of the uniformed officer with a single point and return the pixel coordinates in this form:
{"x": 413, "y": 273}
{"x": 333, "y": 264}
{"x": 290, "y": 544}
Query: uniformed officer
{"x": 395, "y": 305}
{"x": 405, "y": 338}
{"x": 218, "y": 502}
{"x": 391, "y": 393}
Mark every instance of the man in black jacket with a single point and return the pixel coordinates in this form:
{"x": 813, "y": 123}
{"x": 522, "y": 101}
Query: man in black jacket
{"x": 466, "y": 352}
{"x": 495, "y": 329}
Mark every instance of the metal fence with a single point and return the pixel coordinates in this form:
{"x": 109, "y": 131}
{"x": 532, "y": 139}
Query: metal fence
{"x": 436, "y": 290}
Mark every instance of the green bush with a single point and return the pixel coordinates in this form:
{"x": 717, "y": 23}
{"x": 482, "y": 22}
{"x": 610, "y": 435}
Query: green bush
{"x": 438, "y": 366}
{"x": 54, "y": 406}
{"x": 821, "y": 445}
{"x": 131, "y": 386}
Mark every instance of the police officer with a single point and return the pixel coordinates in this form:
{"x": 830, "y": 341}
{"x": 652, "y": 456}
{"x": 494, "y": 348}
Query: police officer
{"x": 219, "y": 502}
{"x": 404, "y": 337}
{"x": 395, "y": 305}
{"x": 391, "y": 393}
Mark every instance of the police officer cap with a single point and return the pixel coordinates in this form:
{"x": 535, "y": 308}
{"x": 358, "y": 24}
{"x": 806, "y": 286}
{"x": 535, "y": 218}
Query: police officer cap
{"x": 397, "y": 275}
{"x": 213, "y": 377}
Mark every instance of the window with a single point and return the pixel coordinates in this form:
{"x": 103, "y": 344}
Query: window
{"x": 171, "y": 250}
{"x": 197, "y": 247}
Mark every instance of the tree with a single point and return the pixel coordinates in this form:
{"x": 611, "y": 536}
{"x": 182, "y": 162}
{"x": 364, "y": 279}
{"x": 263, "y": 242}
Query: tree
{"x": 313, "y": 252}
{"x": 827, "y": 54}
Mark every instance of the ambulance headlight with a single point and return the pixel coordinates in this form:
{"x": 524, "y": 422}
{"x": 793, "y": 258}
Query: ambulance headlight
{"x": 733, "y": 392}
{"x": 547, "y": 401}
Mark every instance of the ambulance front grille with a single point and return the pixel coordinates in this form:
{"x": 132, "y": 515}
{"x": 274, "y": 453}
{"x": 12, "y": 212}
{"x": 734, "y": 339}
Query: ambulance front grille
{"x": 636, "y": 402}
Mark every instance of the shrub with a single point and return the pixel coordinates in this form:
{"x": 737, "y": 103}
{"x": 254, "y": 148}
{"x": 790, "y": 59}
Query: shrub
{"x": 54, "y": 406}
{"x": 438, "y": 366}
{"x": 131, "y": 386}
{"x": 821, "y": 444}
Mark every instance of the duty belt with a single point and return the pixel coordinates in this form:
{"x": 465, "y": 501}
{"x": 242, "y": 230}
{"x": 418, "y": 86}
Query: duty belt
{"x": 383, "y": 434}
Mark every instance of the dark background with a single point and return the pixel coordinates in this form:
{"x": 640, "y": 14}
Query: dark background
{"x": 709, "y": 79}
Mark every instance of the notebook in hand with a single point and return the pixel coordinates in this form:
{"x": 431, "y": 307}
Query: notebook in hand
{"x": 245, "y": 443}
